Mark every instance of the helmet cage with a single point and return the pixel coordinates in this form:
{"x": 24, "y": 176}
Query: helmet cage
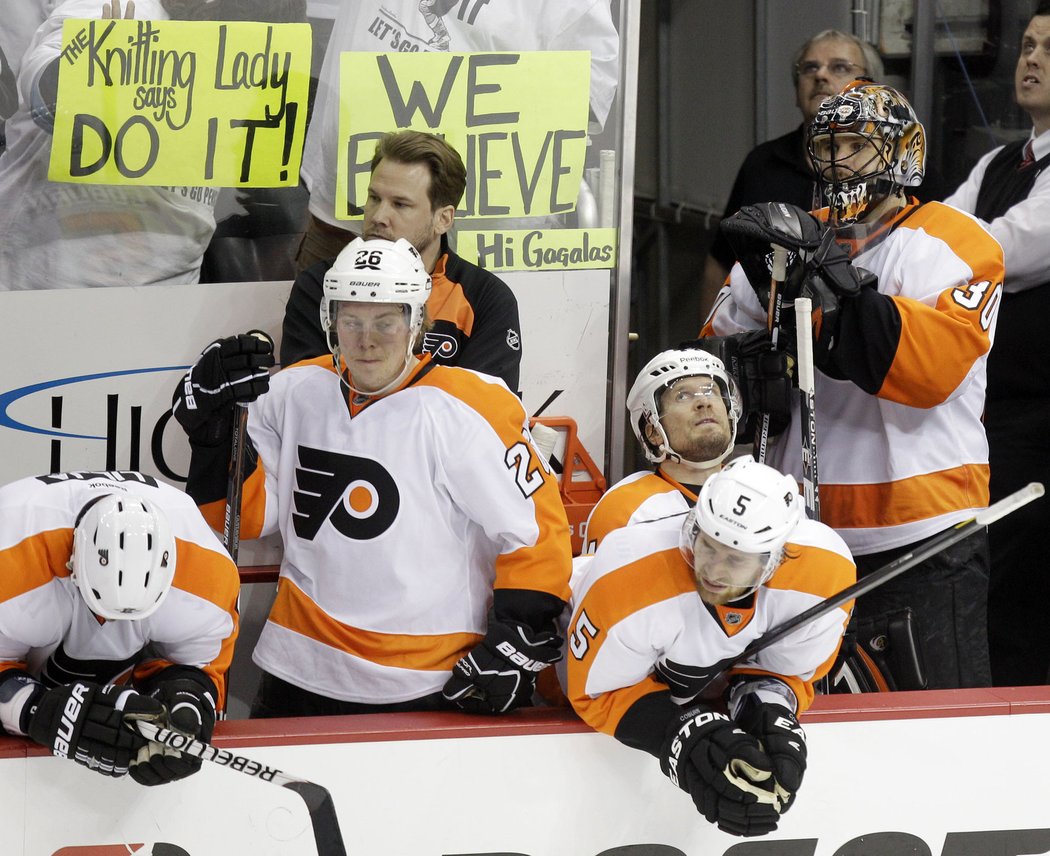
{"x": 884, "y": 119}
{"x": 123, "y": 558}
{"x": 661, "y": 372}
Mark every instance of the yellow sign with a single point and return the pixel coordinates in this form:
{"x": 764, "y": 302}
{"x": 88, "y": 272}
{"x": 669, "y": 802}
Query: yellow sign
{"x": 181, "y": 103}
{"x": 518, "y": 120}
{"x": 539, "y": 249}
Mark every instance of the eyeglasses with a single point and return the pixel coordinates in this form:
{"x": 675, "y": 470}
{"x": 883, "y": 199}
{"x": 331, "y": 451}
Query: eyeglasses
{"x": 837, "y": 68}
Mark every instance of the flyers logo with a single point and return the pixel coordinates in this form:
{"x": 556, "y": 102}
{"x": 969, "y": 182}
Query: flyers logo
{"x": 356, "y": 495}
{"x": 441, "y": 345}
{"x": 159, "y": 849}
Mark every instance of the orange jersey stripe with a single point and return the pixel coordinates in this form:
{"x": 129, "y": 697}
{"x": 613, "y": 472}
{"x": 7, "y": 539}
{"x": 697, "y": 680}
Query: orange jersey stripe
{"x": 863, "y": 506}
{"x": 546, "y": 565}
{"x": 293, "y": 610}
{"x": 447, "y": 302}
{"x": 34, "y": 561}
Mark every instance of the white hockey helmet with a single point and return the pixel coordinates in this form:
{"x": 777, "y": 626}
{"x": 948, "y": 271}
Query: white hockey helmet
{"x": 882, "y": 117}
{"x": 376, "y": 271}
{"x": 643, "y": 400}
{"x": 123, "y": 558}
{"x": 748, "y": 506}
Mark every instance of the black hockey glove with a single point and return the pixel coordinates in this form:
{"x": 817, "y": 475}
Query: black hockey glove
{"x": 764, "y": 376}
{"x": 89, "y": 723}
{"x": 784, "y": 741}
{"x": 830, "y": 280}
{"x": 190, "y": 706}
{"x": 228, "y": 371}
{"x": 499, "y": 675}
{"x": 755, "y": 229}
{"x": 723, "y": 769}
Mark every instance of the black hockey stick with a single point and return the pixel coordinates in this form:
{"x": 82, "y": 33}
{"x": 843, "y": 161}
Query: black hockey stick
{"x": 319, "y": 804}
{"x": 808, "y": 405}
{"x": 964, "y": 529}
{"x": 231, "y": 524}
{"x": 776, "y": 304}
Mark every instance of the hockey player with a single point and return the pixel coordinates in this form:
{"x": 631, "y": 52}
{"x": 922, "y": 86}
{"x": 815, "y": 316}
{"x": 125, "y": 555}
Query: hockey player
{"x": 117, "y": 603}
{"x": 659, "y": 610}
{"x": 905, "y": 299}
{"x": 410, "y": 500}
{"x": 684, "y": 411}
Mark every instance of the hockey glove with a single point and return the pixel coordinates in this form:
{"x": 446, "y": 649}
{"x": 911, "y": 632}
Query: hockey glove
{"x": 755, "y": 229}
{"x": 784, "y": 742}
{"x": 831, "y": 281}
{"x": 764, "y": 376}
{"x": 228, "y": 371}
{"x": 499, "y": 675}
{"x": 190, "y": 706}
{"x": 89, "y": 723}
{"x": 724, "y": 770}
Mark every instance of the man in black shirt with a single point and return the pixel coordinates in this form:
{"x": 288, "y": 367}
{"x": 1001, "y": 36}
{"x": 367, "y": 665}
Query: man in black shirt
{"x": 417, "y": 181}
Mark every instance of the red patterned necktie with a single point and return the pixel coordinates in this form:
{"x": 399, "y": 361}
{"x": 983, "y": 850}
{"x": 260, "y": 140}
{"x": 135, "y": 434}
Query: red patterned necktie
{"x": 1029, "y": 157}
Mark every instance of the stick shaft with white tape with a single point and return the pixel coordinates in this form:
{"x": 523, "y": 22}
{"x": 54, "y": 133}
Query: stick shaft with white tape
{"x": 807, "y": 405}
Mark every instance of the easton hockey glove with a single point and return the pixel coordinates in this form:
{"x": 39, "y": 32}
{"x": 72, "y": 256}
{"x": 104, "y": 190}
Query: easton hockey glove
{"x": 724, "y": 770}
{"x": 190, "y": 709}
{"x": 784, "y": 741}
{"x": 228, "y": 371}
{"x": 500, "y": 674}
{"x": 88, "y": 723}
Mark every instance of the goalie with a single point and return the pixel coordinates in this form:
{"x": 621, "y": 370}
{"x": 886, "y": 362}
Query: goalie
{"x": 905, "y": 297}
{"x": 118, "y": 604}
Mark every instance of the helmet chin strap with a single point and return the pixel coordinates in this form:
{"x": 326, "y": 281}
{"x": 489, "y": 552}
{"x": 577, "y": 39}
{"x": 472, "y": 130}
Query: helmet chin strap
{"x": 344, "y": 376}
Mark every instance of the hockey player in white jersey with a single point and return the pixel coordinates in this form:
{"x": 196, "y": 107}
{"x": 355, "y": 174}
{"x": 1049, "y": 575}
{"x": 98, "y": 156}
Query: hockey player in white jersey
{"x": 410, "y": 499}
{"x": 117, "y": 603}
{"x": 684, "y": 410}
{"x": 905, "y": 298}
{"x": 659, "y": 610}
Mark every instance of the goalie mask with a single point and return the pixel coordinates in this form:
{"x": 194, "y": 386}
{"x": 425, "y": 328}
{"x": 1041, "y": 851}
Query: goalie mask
{"x": 643, "y": 402}
{"x": 865, "y": 144}
{"x": 377, "y": 271}
{"x": 123, "y": 558}
{"x": 749, "y": 508}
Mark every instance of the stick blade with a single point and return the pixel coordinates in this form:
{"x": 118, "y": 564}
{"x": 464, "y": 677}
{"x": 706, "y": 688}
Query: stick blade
{"x": 327, "y": 836}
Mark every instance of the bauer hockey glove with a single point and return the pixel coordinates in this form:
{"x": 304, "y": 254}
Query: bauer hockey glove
{"x": 723, "y": 769}
{"x": 499, "y": 675}
{"x": 189, "y": 703}
{"x": 784, "y": 741}
{"x": 228, "y": 371}
{"x": 89, "y": 724}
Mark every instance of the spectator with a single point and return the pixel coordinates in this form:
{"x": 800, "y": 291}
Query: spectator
{"x": 440, "y": 25}
{"x": 684, "y": 410}
{"x": 658, "y": 612}
{"x": 905, "y": 296}
{"x": 417, "y": 181}
{"x": 117, "y": 584}
{"x": 1009, "y": 190}
{"x": 410, "y": 500}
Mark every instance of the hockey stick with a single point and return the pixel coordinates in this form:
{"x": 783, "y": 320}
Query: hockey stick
{"x": 776, "y": 304}
{"x": 808, "y": 408}
{"x": 319, "y": 804}
{"x": 963, "y": 529}
{"x": 231, "y": 524}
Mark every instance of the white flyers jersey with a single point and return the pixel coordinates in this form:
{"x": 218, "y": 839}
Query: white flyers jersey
{"x": 47, "y": 628}
{"x": 641, "y": 497}
{"x": 398, "y": 522}
{"x": 910, "y": 460}
{"x": 639, "y": 627}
